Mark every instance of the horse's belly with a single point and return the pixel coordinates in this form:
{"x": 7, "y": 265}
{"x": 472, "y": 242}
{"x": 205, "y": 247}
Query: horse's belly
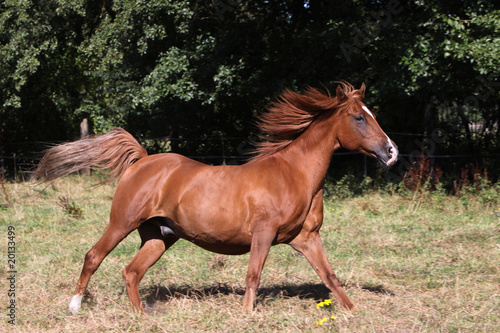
{"x": 223, "y": 248}
{"x": 221, "y": 233}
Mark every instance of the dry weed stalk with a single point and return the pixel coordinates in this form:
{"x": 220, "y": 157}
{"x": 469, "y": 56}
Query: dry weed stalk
{"x": 472, "y": 177}
{"x": 421, "y": 175}
{"x": 70, "y": 207}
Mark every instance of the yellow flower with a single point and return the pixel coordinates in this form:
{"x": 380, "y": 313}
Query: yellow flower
{"x": 326, "y": 302}
{"x": 321, "y": 322}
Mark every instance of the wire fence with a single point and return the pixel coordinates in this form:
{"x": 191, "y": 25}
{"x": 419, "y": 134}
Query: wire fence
{"x": 237, "y": 150}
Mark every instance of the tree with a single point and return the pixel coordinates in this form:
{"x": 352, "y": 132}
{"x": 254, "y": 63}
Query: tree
{"x": 203, "y": 69}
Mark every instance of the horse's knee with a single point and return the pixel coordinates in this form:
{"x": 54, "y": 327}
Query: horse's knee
{"x": 252, "y": 280}
{"x": 130, "y": 277}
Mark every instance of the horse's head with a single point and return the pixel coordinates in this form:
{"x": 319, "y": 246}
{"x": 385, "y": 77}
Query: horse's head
{"x": 360, "y": 131}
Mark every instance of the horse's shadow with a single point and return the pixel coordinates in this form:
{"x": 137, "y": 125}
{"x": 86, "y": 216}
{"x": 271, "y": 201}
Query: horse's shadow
{"x": 163, "y": 294}
{"x": 317, "y": 292}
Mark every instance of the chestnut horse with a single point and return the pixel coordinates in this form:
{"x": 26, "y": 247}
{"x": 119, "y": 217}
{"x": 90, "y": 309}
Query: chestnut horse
{"x": 275, "y": 198}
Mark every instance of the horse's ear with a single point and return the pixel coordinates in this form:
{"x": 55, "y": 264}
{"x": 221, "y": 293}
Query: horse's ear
{"x": 341, "y": 96}
{"x": 362, "y": 90}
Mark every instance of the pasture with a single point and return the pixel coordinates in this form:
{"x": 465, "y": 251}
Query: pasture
{"x": 410, "y": 263}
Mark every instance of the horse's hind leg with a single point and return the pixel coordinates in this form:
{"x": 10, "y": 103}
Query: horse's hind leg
{"x": 111, "y": 237}
{"x": 154, "y": 244}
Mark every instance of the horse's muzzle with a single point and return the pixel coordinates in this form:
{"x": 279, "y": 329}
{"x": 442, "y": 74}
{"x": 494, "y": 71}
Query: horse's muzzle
{"x": 388, "y": 155}
{"x": 393, "y": 154}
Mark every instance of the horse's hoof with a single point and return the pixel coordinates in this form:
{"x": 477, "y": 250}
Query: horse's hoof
{"x": 75, "y": 304}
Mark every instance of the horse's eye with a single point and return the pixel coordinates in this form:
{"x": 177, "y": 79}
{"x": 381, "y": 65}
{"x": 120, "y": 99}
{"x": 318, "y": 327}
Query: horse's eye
{"x": 359, "y": 118}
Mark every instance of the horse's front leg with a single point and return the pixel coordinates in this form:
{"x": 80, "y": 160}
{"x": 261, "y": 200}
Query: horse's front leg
{"x": 261, "y": 243}
{"x": 308, "y": 242}
{"x": 311, "y": 247}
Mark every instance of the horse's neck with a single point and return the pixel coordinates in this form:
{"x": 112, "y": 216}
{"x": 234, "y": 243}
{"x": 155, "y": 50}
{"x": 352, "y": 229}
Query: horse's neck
{"x": 312, "y": 151}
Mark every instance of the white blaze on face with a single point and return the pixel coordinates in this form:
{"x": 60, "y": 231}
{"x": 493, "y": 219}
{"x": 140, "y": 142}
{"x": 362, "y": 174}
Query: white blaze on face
{"x": 368, "y": 111}
{"x": 392, "y": 150}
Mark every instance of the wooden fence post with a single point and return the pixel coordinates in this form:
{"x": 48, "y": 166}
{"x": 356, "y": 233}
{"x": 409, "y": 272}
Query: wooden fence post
{"x": 84, "y": 132}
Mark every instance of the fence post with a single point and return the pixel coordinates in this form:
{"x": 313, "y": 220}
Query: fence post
{"x": 15, "y": 168}
{"x": 84, "y": 132}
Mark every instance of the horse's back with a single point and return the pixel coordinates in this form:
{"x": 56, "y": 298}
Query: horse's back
{"x": 145, "y": 179}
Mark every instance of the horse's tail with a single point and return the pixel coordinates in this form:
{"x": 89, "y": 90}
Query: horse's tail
{"x": 114, "y": 151}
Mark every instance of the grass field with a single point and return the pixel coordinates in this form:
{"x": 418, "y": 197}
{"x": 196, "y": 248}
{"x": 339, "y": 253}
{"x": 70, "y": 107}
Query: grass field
{"x": 426, "y": 263}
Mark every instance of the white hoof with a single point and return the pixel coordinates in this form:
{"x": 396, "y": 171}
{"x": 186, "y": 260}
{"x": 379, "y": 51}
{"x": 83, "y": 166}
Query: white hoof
{"x": 75, "y": 304}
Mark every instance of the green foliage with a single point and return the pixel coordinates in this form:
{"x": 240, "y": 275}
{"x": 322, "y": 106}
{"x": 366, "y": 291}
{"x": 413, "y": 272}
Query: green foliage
{"x": 480, "y": 189}
{"x": 449, "y": 36}
{"x": 203, "y": 69}
{"x": 350, "y": 186}
{"x": 475, "y": 39}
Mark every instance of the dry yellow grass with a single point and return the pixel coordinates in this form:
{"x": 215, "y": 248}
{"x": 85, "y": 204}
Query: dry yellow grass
{"x": 430, "y": 265}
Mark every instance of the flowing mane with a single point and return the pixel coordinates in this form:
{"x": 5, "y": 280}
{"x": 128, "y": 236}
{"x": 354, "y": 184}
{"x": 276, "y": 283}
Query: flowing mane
{"x": 293, "y": 113}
